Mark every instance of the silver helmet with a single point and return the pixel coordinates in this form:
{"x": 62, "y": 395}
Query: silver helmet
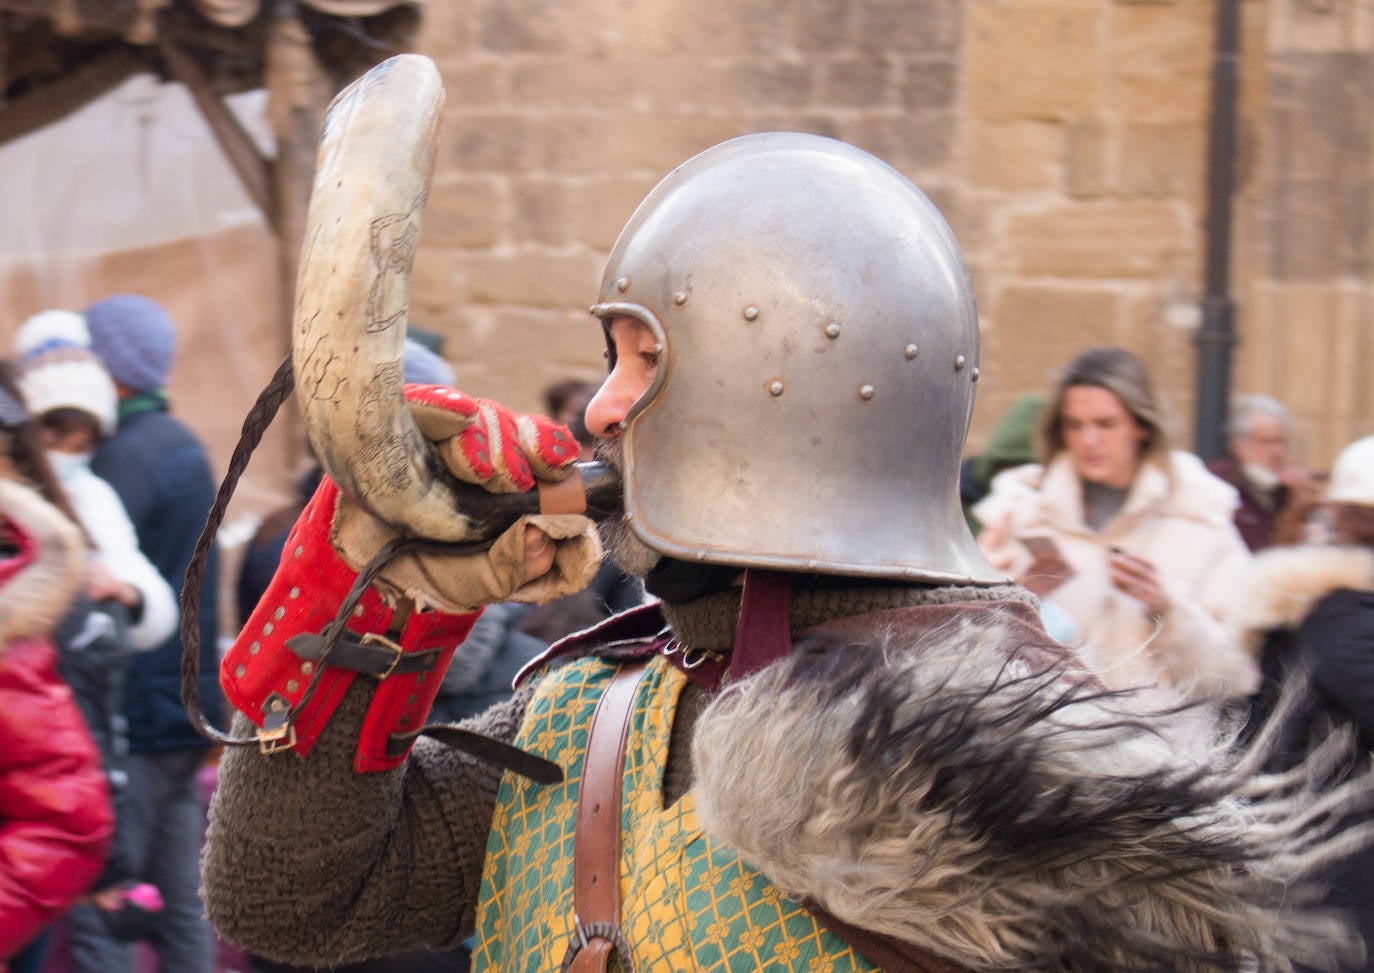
{"x": 819, "y": 353}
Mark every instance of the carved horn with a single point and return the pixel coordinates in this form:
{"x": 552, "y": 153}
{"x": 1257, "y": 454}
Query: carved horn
{"x": 372, "y": 174}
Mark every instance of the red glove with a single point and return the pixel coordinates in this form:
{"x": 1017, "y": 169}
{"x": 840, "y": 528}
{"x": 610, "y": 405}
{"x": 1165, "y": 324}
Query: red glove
{"x": 272, "y": 673}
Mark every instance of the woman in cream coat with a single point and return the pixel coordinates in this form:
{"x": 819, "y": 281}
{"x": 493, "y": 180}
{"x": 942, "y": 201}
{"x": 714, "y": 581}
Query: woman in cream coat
{"x": 1130, "y": 546}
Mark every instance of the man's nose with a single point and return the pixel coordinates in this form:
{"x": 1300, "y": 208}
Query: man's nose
{"x": 610, "y": 405}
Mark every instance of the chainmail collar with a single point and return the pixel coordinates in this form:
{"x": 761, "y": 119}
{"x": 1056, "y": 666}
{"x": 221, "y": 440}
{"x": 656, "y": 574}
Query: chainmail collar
{"x": 708, "y": 622}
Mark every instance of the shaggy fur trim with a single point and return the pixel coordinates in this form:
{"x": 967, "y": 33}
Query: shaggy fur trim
{"x": 1284, "y": 584}
{"x": 951, "y": 796}
{"x": 33, "y": 600}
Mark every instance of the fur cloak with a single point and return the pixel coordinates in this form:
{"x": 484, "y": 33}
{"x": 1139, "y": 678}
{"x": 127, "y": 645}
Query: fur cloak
{"x": 960, "y": 790}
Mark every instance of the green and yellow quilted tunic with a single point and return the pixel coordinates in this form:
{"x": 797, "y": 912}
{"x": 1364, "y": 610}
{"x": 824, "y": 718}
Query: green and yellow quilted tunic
{"x": 687, "y": 901}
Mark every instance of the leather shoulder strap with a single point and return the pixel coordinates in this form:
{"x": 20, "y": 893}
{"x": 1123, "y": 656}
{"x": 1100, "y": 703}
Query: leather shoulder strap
{"x": 596, "y": 846}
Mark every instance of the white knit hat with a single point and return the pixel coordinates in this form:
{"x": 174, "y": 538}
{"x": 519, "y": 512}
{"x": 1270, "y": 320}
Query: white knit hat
{"x": 1352, "y": 478}
{"x": 57, "y": 369}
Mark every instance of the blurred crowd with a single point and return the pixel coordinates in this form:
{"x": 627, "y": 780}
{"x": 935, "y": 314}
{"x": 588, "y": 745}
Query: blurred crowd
{"x": 1212, "y": 586}
{"x": 104, "y": 779}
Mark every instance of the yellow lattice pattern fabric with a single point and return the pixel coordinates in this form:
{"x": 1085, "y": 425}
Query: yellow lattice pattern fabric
{"x": 688, "y": 902}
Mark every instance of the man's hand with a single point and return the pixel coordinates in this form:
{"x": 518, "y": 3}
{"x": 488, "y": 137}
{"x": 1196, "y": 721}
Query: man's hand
{"x": 487, "y": 445}
{"x": 421, "y": 605}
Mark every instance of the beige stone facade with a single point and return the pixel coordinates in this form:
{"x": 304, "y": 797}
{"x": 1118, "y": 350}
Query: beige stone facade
{"x": 1065, "y": 140}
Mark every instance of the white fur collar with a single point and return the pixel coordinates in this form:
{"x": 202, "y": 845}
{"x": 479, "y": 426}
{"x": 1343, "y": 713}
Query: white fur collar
{"x": 33, "y": 599}
{"x": 1283, "y": 584}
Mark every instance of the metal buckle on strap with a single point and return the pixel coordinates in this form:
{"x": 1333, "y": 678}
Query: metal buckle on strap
{"x": 382, "y": 642}
{"x": 276, "y": 734}
{"x": 584, "y": 933}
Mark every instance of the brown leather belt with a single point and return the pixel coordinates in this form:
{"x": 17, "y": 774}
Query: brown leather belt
{"x": 596, "y": 845}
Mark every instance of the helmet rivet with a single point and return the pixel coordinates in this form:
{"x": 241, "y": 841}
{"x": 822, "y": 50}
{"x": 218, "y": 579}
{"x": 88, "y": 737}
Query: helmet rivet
{"x": 776, "y": 387}
{"x": 865, "y": 392}
{"x": 974, "y": 374}
{"x": 701, "y": 555}
{"x": 910, "y": 352}
{"x": 622, "y": 284}
{"x": 751, "y": 313}
{"x": 629, "y": 517}
{"x": 959, "y": 362}
{"x": 832, "y": 330}
{"x": 679, "y": 298}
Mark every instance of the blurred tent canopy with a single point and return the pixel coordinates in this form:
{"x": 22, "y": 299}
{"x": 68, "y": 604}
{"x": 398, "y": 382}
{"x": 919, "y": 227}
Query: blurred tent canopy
{"x": 58, "y": 55}
{"x": 168, "y": 147}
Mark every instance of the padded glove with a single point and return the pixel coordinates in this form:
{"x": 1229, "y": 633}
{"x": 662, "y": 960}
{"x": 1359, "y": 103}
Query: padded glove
{"x": 420, "y": 607}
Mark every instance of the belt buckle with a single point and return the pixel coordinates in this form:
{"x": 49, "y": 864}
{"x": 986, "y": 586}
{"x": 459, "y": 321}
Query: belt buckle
{"x": 382, "y": 642}
{"x": 277, "y": 732}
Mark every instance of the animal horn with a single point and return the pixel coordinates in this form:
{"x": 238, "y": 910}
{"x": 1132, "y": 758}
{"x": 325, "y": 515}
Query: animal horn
{"x": 372, "y": 174}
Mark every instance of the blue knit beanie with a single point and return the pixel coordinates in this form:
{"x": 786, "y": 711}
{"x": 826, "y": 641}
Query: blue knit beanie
{"x": 135, "y": 338}
{"x": 424, "y": 367}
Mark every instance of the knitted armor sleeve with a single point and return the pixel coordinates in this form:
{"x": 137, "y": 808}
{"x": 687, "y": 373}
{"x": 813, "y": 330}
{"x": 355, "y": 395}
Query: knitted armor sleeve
{"x": 308, "y": 862}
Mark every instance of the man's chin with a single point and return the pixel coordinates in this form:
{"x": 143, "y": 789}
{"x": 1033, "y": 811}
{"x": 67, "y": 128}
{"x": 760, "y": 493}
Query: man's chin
{"x": 626, "y": 551}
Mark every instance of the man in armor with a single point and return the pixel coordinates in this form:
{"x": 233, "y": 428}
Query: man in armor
{"x": 837, "y": 740}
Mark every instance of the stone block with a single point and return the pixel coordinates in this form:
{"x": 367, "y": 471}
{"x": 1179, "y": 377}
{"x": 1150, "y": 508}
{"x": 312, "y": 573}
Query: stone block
{"x": 600, "y": 208}
{"x": 462, "y": 213}
{"x": 1032, "y": 62}
{"x": 678, "y": 82}
{"x": 1012, "y": 156}
{"x": 438, "y": 286}
{"x": 495, "y": 143}
{"x": 473, "y": 86}
{"x": 814, "y": 122}
{"x": 910, "y": 143}
{"x": 558, "y": 281}
{"x": 1320, "y": 25}
{"x": 966, "y": 212}
{"x": 1098, "y": 240}
{"x": 657, "y": 143}
{"x": 447, "y": 30}
{"x": 929, "y": 84}
{"x": 520, "y": 26}
{"x": 903, "y": 27}
{"x": 1323, "y": 111}
{"x": 708, "y": 28}
{"x": 541, "y": 211}
{"x": 1159, "y": 61}
{"x": 513, "y": 354}
{"x": 1034, "y": 332}
{"x": 563, "y": 82}
{"x": 1308, "y": 343}
{"x": 571, "y": 144}
{"x": 1303, "y": 225}
{"x": 1086, "y": 167}
{"x": 765, "y": 86}
{"x": 825, "y": 25}
{"x": 865, "y": 84}
{"x": 1169, "y": 354}
{"x": 1164, "y": 160}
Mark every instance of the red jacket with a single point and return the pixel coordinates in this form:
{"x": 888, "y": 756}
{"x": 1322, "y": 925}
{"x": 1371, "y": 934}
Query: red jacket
{"x": 55, "y": 816}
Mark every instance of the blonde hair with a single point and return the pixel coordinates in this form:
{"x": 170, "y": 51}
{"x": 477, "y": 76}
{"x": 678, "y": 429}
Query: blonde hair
{"x": 1124, "y": 375}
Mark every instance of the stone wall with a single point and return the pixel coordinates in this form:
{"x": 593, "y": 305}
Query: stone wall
{"x": 1305, "y": 239}
{"x": 1065, "y": 140}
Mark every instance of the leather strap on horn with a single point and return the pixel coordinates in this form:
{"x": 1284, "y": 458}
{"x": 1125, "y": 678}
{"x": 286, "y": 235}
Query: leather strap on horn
{"x": 567, "y": 496}
{"x": 596, "y": 846}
